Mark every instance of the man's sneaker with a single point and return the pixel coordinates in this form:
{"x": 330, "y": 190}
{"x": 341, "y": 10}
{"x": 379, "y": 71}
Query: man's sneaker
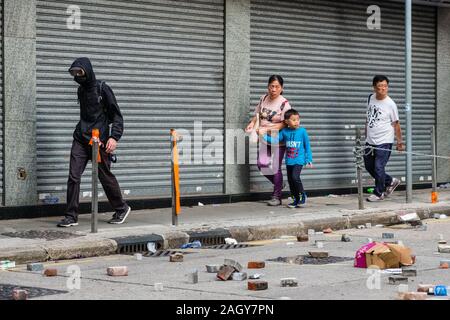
{"x": 374, "y": 198}
{"x": 274, "y": 202}
{"x": 120, "y": 217}
{"x": 293, "y": 204}
{"x": 67, "y": 222}
{"x": 114, "y": 217}
{"x": 394, "y": 184}
{"x": 302, "y": 198}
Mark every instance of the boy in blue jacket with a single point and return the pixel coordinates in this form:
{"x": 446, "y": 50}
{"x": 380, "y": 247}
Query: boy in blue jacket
{"x": 298, "y": 154}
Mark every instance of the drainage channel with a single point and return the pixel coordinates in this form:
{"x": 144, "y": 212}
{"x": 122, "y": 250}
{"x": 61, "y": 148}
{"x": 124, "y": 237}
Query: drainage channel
{"x": 306, "y": 259}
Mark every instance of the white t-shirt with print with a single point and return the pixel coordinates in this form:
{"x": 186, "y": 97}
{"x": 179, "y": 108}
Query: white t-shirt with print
{"x": 380, "y": 117}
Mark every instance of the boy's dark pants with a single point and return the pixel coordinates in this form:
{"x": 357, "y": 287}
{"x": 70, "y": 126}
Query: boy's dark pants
{"x": 375, "y": 162}
{"x": 79, "y": 157}
{"x": 295, "y": 183}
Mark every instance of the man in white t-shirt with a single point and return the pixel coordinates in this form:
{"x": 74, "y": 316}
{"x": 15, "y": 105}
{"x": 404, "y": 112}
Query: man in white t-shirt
{"x": 382, "y": 126}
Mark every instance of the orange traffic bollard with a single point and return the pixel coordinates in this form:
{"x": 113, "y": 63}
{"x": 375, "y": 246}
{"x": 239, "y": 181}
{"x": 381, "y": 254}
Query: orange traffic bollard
{"x": 434, "y": 197}
{"x": 176, "y": 209}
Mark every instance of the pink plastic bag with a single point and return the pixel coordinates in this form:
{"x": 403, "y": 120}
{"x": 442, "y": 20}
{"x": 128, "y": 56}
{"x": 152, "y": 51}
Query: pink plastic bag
{"x": 360, "y": 257}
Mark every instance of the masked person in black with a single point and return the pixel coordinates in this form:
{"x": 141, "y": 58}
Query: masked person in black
{"x": 98, "y": 110}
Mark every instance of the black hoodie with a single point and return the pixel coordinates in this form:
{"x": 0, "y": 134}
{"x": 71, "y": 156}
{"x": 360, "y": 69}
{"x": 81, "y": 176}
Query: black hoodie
{"x": 95, "y": 112}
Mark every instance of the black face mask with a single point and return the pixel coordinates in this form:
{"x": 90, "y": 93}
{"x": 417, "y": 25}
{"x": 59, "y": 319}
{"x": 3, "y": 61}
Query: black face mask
{"x": 80, "y": 80}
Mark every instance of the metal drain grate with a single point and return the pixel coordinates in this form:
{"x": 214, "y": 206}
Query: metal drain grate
{"x": 42, "y": 234}
{"x": 230, "y": 246}
{"x": 163, "y": 253}
{"x": 210, "y": 237}
{"x": 138, "y": 244}
{"x": 33, "y": 292}
{"x": 306, "y": 259}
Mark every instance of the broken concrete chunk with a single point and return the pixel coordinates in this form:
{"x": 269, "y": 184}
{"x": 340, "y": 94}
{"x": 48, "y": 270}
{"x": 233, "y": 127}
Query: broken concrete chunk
{"x": 212, "y": 268}
{"x": 412, "y": 295}
{"x": 409, "y": 272}
{"x": 302, "y": 237}
{"x": 234, "y": 264}
{"x": 443, "y": 248}
{"x": 239, "y": 276}
{"x": 192, "y": 276}
{"x": 289, "y": 282}
{"x": 387, "y": 235}
{"x": 35, "y": 267}
{"x": 425, "y": 287}
{"x": 346, "y": 238}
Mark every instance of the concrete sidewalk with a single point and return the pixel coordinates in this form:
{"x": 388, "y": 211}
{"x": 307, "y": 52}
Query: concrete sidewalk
{"x": 244, "y": 221}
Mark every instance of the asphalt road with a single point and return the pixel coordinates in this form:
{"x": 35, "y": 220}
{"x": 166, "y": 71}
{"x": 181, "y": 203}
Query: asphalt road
{"x": 335, "y": 281}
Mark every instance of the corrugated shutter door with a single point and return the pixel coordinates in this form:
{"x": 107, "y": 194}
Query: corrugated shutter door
{"x": 328, "y": 57}
{"x": 1, "y": 101}
{"x": 163, "y": 60}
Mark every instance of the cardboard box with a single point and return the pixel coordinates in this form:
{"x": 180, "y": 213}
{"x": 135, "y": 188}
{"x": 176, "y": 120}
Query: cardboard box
{"x": 385, "y": 256}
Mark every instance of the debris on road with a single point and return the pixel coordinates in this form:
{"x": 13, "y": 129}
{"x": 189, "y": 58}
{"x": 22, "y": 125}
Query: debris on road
{"x": 387, "y": 235}
{"x": 117, "y": 271}
{"x": 192, "y": 276}
{"x": 177, "y": 257}
{"x": 225, "y": 273}
{"x": 289, "y": 282}
{"x": 257, "y": 285}
{"x": 234, "y": 264}
{"x": 425, "y": 287}
{"x": 138, "y": 256}
{"x": 255, "y": 276}
{"x": 35, "y": 267}
{"x": 346, "y": 238}
{"x": 212, "y": 268}
{"x": 151, "y": 246}
{"x": 19, "y": 294}
{"x": 50, "y": 272}
{"x": 239, "y": 276}
{"x": 230, "y": 241}
{"x": 409, "y": 272}
{"x": 383, "y": 256}
{"x": 6, "y": 264}
{"x": 302, "y": 237}
{"x": 412, "y": 295}
{"x": 443, "y": 248}
{"x": 328, "y": 230}
{"x": 193, "y": 245}
{"x": 398, "y": 279}
{"x": 256, "y": 265}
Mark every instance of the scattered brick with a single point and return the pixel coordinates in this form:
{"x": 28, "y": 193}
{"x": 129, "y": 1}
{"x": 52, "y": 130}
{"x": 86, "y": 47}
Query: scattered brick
{"x": 256, "y": 265}
{"x": 328, "y": 230}
{"x": 398, "y": 279}
{"x": 346, "y": 238}
{"x": 117, "y": 271}
{"x": 50, "y": 272}
{"x": 19, "y": 294}
{"x": 302, "y": 237}
{"x": 412, "y": 295}
{"x": 387, "y": 235}
{"x": 289, "y": 282}
{"x": 258, "y": 285}
{"x": 35, "y": 267}
{"x": 177, "y": 257}
{"x": 234, "y": 264}
{"x": 319, "y": 254}
{"x": 444, "y": 265}
{"x": 225, "y": 273}
{"x": 193, "y": 277}
{"x": 442, "y": 248}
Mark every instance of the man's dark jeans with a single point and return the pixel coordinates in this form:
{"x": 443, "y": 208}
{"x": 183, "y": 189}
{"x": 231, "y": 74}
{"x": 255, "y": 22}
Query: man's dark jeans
{"x": 375, "y": 162}
{"x": 79, "y": 157}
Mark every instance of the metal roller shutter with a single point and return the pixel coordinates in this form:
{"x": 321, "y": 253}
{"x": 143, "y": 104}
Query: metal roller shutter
{"x": 163, "y": 60}
{"x": 328, "y": 57}
{"x": 1, "y": 101}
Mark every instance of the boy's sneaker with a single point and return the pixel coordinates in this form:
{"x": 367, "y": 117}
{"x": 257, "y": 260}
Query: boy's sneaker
{"x": 67, "y": 222}
{"x": 374, "y": 198}
{"x": 119, "y": 218}
{"x": 302, "y": 198}
{"x": 394, "y": 184}
{"x": 293, "y": 204}
{"x": 274, "y": 202}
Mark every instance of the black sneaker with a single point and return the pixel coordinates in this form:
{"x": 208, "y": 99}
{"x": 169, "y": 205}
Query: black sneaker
{"x": 67, "y": 222}
{"x": 119, "y": 218}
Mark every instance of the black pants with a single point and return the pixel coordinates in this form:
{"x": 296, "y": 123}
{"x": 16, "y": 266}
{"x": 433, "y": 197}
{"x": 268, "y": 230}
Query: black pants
{"x": 79, "y": 157}
{"x": 375, "y": 162}
{"x": 295, "y": 183}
